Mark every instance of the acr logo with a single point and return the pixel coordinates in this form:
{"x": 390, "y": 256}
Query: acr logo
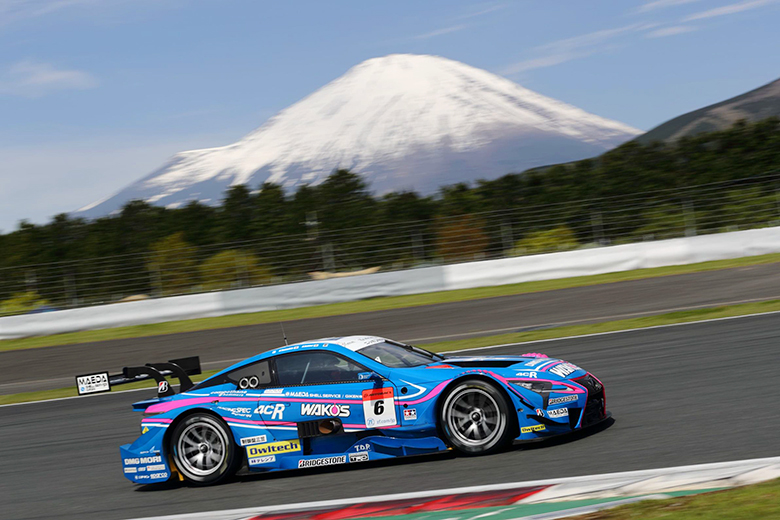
{"x": 276, "y": 411}
{"x": 532, "y": 375}
{"x": 329, "y": 410}
{"x": 564, "y": 369}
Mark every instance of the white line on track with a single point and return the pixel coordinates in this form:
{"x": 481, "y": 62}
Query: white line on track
{"x": 565, "y": 338}
{"x": 636, "y": 329}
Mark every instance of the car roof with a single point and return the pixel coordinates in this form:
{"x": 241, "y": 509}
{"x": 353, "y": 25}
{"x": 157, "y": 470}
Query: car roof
{"x": 351, "y": 343}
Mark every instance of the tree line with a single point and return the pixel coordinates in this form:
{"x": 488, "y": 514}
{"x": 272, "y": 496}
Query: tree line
{"x": 340, "y": 224}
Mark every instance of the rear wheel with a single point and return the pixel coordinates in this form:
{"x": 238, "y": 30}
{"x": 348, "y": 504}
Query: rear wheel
{"x": 203, "y": 449}
{"x": 475, "y": 418}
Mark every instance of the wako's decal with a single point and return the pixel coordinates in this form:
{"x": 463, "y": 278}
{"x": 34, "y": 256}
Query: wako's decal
{"x": 379, "y": 407}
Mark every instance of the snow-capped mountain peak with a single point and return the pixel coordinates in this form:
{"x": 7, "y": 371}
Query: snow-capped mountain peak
{"x": 403, "y": 121}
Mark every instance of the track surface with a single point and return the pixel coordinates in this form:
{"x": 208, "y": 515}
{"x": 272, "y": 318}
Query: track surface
{"x": 695, "y": 393}
{"x": 54, "y": 367}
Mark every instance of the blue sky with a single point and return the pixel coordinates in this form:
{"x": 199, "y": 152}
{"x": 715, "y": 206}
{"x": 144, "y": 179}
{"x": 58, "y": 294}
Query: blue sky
{"x": 95, "y": 94}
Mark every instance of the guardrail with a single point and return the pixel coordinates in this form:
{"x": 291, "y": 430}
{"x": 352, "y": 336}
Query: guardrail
{"x": 413, "y": 281}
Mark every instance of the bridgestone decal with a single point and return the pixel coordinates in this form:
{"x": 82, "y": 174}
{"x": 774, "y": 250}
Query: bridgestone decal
{"x": 327, "y": 461}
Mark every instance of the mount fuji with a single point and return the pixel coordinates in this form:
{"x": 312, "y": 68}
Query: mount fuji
{"x": 402, "y": 121}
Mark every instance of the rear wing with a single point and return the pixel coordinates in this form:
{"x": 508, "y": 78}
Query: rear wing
{"x": 181, "y": 369}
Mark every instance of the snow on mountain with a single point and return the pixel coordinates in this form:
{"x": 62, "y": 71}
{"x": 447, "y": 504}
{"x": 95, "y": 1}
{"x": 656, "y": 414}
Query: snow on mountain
{"x": 403, "y": 121}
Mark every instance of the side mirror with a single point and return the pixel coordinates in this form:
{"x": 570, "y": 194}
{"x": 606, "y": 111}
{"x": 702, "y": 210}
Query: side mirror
{"x": 367, "y": 376}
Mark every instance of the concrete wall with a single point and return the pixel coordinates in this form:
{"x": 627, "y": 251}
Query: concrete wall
{"x": 458, "y": 276}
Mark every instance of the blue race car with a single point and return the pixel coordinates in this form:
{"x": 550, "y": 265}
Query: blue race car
{"x": 346, "y": 400}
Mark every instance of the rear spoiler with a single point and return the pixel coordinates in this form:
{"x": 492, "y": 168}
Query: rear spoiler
{"x": 178, "y": 368}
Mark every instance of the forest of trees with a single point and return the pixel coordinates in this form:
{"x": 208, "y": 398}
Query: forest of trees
{"x": 265, "y": 235}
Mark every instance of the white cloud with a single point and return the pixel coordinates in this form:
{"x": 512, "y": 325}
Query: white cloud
{"x": 12, "y": 10}
{"x": 480, "y": 12}
{"x": 439, "y": 32}
{"x": 671, "y": 31}
{"x": 662, "y": 4}
{"x": 34, "y": 79}
{"x": 729, "y": 9}
{"x": 567, "y": 49}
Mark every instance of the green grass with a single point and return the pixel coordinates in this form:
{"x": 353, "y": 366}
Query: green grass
{"x": 483, "y": 341}
{"x": 757, "y": 501}
{"x": 376, "y": 304}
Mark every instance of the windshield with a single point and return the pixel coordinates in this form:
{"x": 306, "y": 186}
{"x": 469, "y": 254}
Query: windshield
{"x": 393, "y": 355}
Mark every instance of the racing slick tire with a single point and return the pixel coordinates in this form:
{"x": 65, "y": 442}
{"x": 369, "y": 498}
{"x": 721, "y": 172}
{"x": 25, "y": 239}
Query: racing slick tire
{"x": 476, "y": 418}
{"x": 203, "y": 449}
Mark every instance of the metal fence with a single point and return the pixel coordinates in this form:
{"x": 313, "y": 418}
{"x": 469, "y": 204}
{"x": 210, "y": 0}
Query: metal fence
{"x": 661, "y": 214}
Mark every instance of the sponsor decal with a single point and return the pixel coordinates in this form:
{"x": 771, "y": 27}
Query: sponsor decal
{"x": 246, "y": 441}
{"x": 540, "y": 412}
{"x": 276, "y": 411}
{"x": 328, "y": 410}
{"x": 239, "y": 411}
{"x": 326, "y": 461}
{"x": 228, "y": 393}
{"x": 130, "y": 470}
{"x": 145, "y": 430}
{"x": 535, "y": 428}
{"x": 142, "y": 460}
{"x": 362, "y": 447}
{"x": 162, "y": 387}
{"x": 262, "y": 460}
{"x": 531, "y": 375}
{"x": 560, "y": 412}
{"x": 410, "y": 414}
{"x": 273, "y": 391}
{"x": 564, "y": 369}
{"x": 93, "y": 383}
{"x": 564, "y": 399}
{"x": 358, "y": 457}
{"x": 536, "y": 362}
{"x": 155, "y": 467}
{"x": 379, "y": 407}
{"x": 273, "y": 448}
{"x": 158, "y": 475}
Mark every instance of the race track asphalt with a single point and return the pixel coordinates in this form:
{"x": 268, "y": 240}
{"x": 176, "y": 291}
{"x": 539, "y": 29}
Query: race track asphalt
{"x": 694, "y": 393}
{"x": 55, "y": 367}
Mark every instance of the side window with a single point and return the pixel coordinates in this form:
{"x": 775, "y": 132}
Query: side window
{"x": 251, "y": 376}
{"x": 311, "y": 368}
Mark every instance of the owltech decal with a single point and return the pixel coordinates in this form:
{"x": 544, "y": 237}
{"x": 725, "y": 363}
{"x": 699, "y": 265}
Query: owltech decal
{"x": 273, "y": 448}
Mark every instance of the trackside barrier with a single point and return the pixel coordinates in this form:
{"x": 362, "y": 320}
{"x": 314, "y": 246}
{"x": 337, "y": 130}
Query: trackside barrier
{"x": 581, "y": 262}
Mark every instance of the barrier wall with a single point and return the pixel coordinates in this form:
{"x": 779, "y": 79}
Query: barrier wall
{"x": 457, "y": 276}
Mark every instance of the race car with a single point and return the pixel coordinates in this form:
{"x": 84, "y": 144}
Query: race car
{"x": 346, "y": 400}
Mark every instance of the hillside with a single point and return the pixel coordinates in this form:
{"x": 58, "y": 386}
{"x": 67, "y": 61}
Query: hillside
{"x": 752, "y": 106}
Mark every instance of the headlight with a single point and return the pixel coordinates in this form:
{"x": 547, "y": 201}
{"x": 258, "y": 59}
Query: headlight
{"x": 534, "y": 386}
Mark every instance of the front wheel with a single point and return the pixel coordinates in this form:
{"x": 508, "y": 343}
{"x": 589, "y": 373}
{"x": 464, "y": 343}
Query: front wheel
{"x": 203, "y": 449}
{"x": 475, "y": 418}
